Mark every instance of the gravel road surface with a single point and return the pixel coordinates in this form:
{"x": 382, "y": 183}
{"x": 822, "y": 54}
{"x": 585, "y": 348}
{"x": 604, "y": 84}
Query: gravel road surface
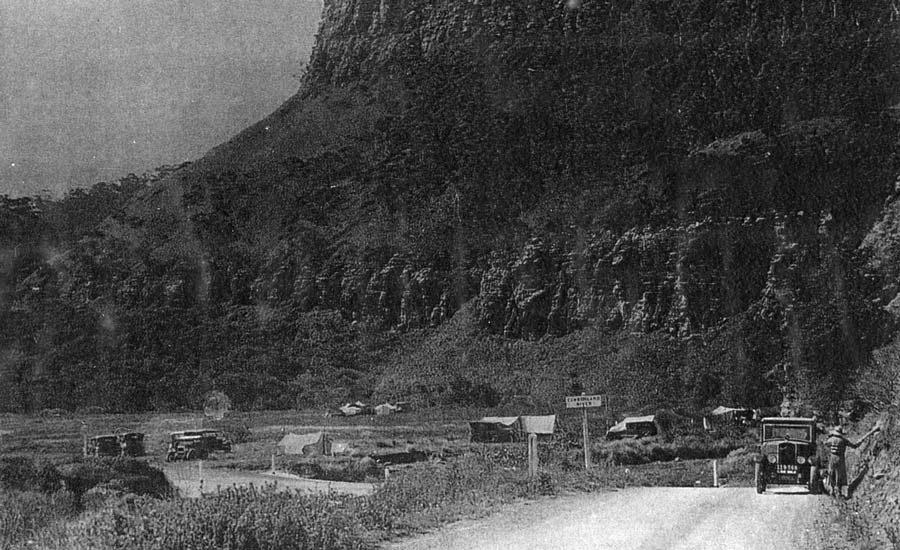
{"x": 642, "y": 518}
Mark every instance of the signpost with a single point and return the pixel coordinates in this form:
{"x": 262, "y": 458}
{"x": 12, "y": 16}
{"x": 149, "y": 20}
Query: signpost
{"x": 584, "y": 402}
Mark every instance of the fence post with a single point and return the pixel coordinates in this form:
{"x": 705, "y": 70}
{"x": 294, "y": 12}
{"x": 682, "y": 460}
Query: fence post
{"x": 532, "y": 456}
{"x": 715, "y": 473}
{"x": 273, "y": 463}
{"x": 587, "y": 440}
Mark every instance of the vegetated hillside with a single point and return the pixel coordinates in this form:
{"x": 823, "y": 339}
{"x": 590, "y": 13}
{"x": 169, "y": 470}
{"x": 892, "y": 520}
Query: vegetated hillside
{"x": 654, "y": 183}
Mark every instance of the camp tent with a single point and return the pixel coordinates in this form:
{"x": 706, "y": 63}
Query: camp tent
{"x": 316, "y": 443}
{"x": 721, "y": 410}
{"x": 540, "y": 425}
{"x": 500, "y": 429}
{"x": 495, "y": 429}
{"x": 386, "y": 408}
{"x": 732, "y": 414}
{"x": 353, "y": 409}
{"x": 633, "y": 426}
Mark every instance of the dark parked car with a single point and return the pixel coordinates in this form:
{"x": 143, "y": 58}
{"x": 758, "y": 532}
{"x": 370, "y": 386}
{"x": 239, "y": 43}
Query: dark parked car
{"x": 104, "y": 445}
{"x": 196, "y": 444}
{"x": 124, "y": 444}
{"x": 132, "y": 443}
{"x": 787, "y": 454}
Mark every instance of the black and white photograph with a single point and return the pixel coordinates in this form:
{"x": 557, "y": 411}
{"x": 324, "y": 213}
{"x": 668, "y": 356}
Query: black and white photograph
{"x": 449, "y": 274}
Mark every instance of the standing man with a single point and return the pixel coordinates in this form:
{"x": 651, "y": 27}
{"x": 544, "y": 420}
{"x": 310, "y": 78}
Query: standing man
{"x": 837, "y": 444}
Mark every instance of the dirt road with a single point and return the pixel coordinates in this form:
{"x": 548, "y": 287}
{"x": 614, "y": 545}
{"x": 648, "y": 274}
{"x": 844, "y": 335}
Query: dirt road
{"x": 186, "y": 477}
{"x": 642, "y": 519}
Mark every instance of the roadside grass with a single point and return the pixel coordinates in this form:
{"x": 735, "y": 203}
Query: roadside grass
{"x": 459, "y": 480}
{"x": 27, "y": 515}
{"x": 416, "y": 498}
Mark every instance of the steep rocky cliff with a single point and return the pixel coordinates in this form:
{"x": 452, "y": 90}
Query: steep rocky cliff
{"x": 666, "y": 168}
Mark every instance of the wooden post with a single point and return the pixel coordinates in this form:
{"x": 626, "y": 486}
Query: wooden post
{"x": 587, "y": 440}
{"x": 532, "y": 456}
{"x": 273, "y": 463}
{"x": 715, "y": 473}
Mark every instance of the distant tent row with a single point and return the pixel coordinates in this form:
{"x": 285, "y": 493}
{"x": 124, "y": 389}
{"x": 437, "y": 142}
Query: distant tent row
{"x": 502, "y": 429}
{"x": 358, "y": 408}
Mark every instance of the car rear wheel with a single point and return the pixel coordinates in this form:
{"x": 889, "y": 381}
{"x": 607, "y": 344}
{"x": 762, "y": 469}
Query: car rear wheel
{"x": 815, "y": 483}
{"x": 759, "y": 477}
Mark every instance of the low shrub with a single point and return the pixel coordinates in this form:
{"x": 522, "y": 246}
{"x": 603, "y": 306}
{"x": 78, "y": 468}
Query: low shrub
{"x": 237, "y": 519}
{"x": 338, "y": 469}
{"x": 428, "y": 494}
{"x": 126, "y": 475}
{"x": 22, "y": 473}
{"x": 738, "y": 464}
{"x": 24, "y": 514}
{"x": 652, "y": 449}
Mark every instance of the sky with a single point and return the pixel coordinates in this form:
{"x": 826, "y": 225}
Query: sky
{"x": 91, "y": 90}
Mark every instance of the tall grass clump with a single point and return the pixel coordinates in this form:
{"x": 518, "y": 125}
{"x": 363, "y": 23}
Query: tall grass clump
{"x": 430, "y": 494}
{"x": 25, "y": 514}
{"x": 236, "y": 519}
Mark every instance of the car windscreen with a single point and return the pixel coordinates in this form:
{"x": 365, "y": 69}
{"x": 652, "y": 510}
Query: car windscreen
{"x": 786, "y": 432}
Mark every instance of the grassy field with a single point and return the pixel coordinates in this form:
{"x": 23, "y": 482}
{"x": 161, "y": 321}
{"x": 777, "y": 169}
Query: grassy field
{"x": 457, "y": 478}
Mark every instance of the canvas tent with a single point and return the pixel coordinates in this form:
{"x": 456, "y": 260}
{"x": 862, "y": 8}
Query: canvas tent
{"x": 316, "y": 443}
{"x": 501, "y": 429}
{"x": 353, "y": 409}
{"x": 634, "y": 426}
{"x": 540, "y": 425}
{"x": 386, "y": 408}
{"x": 732, "y": 414}
{"x": 494, "y": 429}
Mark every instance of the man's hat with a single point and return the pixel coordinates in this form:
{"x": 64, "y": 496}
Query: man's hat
{"x": 837, "y": 430}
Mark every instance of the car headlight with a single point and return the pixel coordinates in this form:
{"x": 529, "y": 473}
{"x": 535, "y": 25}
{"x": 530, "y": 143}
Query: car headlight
{"x": 801, "y": 460}
{"x": 773, "y": 459}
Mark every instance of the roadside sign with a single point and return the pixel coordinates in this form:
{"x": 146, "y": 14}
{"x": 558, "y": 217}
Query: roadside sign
{"x": 584, "y": 401}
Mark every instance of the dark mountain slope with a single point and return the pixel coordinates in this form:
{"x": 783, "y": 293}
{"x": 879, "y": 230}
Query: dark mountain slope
{"x": 647, "y": 167}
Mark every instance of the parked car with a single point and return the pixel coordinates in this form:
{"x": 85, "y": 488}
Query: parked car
{"x": 104, "y": 445}
{"x": 787, "y": 454}
{"x": 132, "y": 444}
{"x": 186, "y": 447}
{"x": 123, "y": 444}
{"x": 195, "y": 444}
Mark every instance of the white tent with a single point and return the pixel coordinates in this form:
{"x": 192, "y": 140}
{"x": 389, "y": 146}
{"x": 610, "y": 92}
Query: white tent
{"x": 316, "y": 443}
{"x": 540, "y": 425}
{"x": 386, "y": 408}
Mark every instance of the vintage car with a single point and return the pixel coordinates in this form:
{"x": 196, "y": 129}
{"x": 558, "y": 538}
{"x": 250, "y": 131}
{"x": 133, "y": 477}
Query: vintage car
{"x": 216, "y": 441}
{"x": 787, "y": 454}
{"x": 104, "y": 445}
{"x": 132, "y": 443}
{"x": 186, "y": 446}
{"x": 195, "y": 444}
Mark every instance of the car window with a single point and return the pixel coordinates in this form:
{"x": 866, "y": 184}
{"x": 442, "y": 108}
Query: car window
{"x": 786, "y": 432}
